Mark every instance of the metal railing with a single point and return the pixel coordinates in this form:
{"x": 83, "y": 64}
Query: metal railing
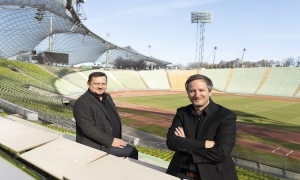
{"x": 263, "y": 160}
{"x": 275, "y": 170}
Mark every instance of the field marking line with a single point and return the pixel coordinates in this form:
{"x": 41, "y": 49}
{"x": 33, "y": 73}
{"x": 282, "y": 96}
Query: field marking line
{"x": 272, "y": 108}
{"x": 276, "y": 149}
{"x": 294, "y": 118}
{"x": 289, "y": 153}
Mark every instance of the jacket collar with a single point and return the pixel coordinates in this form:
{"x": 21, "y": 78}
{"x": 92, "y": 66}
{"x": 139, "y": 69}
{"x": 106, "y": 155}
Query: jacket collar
{"x": 204, "y": 112}
{"x": 96, "y": 100}
{"x": 211, "y": 112}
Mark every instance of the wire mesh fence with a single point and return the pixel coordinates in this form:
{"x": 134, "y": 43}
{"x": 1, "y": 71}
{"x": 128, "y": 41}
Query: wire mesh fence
{"x": 273, "y": 162}
{"x": 267, "y": 165}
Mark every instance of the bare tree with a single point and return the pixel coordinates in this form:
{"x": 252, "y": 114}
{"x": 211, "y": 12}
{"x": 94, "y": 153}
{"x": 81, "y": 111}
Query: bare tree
{"x": 263, "y": 63}
{"x": 222, "y": 64}
{"x": 193, "y": 65}
{"x": 180, "y": 66}
{"x": 121, "y": 63}
{"x": 289, "y": 61}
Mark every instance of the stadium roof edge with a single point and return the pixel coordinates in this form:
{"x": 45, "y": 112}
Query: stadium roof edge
{"x": 111, "y": 45}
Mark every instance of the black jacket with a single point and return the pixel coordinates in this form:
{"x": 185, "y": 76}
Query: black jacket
{"x": 213, "y": 163}
{"x": 93, "y": 127}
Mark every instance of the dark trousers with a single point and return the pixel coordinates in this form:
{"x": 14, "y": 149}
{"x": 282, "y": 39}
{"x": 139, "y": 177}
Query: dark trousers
{"x": 127, "y": 151}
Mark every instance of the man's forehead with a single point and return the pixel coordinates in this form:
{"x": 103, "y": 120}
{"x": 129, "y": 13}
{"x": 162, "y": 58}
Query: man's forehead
{"x": 99, "y": 79}
{"x": 198, "y": 82}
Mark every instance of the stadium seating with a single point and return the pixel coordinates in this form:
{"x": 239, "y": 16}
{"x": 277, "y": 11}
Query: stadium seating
{"x": 57, "y": 70}
{"x": 76, "y": 78}
{"x": 297, "y": 92}
{"x": 129, "y": 79}
{"x": 245, "y": 80}
{"x": 218, "y": 76}
{"x": 177, "y": 78}
{"x": 112, "y": 83}
{"x": 282, "y": 81}
{"x": 33, "y": 75}
{"x": 13, "y": 92}
{"x": 155, "y": 80}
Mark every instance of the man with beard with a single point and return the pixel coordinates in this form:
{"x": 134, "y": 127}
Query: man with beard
{"x": 202, "y": 135}
{"x": 98, "y": 123}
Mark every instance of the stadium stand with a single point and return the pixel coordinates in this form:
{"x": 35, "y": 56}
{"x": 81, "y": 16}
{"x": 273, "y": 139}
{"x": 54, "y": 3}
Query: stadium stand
{"x": 245, "y": 80}
{"x": 266, "y": 75}
{"x": 33, "y": 75}
{"x": 297, "y": 92}
{"x": 77, "y": 79}
{"x": 229, "y": 79}
{"x": 155, "y": 80}
{"x": 112, "y": 83}
{"x": 11, "y": 91}
{"x": 24, "y": 80}
{"x": 129, "y": 79}
{"x": 177, "y": 78}
{"x": 62, "y": 73}
{"x": 282, "y": 81}
{"x": 57, "y": 70}
{"x": 218, "y": 76}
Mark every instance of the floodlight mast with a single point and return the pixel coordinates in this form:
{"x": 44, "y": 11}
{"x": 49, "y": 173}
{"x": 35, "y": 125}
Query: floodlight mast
{"x": 243, "y": 56}
{"x": 107, "y": 51}
{"x": 200, "y": 18}
{"x": 215, "y": 49}
{"x": 51, "y": 33}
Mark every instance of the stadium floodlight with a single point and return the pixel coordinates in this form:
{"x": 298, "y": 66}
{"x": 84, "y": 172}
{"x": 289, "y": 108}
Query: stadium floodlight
{"x": 200, "y": 18}
{"x": 79, "y": 9}
{"x": 81, "y": 1}
{"x": 243, "y": 56}
{"x": 40, "y": 15}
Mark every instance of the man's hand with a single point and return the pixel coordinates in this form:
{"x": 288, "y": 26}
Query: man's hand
{"x": 119, "y": 143}
{"x": 179, "y": 132}
{"x": 209, "y": 144}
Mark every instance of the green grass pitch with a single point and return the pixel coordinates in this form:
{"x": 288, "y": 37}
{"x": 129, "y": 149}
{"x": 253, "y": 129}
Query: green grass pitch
{"x": 276, "y": 114}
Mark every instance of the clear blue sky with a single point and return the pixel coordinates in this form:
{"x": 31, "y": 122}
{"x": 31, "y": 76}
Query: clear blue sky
{"x": 268, "y": 29}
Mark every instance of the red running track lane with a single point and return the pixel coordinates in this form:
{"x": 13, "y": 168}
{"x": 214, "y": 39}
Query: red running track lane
{"x": 268, "y": 148}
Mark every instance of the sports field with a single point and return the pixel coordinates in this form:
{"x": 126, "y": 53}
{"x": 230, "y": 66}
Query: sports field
{"x": 273, "y": 113}
{"x": 267, "y": 126}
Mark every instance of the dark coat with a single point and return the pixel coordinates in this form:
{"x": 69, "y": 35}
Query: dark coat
{"x": 219, "y": 126}
{"x": 93, "y": 127}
